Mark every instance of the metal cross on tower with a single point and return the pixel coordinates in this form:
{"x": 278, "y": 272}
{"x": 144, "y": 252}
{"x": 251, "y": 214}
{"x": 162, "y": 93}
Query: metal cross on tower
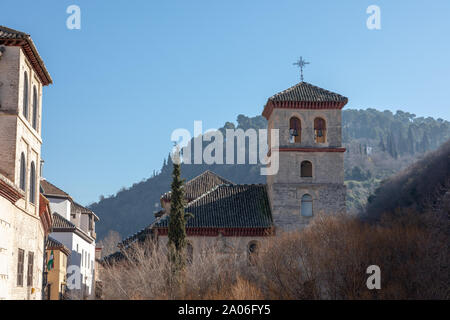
{"x": 301, "y": 63}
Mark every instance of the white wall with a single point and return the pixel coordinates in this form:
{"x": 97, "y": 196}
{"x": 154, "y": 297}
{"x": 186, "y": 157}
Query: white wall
{"x": 81, "y": 252}
{"x": 60, "y": 206}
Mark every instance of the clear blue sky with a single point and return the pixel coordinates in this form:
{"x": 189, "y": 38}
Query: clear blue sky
{"x": 137, "y": 70}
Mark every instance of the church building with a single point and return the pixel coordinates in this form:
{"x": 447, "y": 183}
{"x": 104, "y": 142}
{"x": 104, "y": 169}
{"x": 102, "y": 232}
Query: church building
{"x": 310, "y": 181}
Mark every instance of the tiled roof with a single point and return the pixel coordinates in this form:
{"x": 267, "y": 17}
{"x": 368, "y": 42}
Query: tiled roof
{"x": 307, "y": 92}
{"x": 59, "y": 222}
{"x": 197, "y": 186}
{"x": 138, "y": 236}
{"x": 76, "y": 207}
{"x": 49, "y": 189}
{"x": 228, "y": 206}
{"x": 55, "y": 244}
{"x": 11, "y": 37}
{"x": 112, "y": 258}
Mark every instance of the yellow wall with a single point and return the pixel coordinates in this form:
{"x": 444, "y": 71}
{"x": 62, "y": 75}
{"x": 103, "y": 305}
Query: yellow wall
{"x": 57, "y": 276}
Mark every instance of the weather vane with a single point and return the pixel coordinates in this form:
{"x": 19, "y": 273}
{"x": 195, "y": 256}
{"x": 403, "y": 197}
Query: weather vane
{"x": 301, "y": 63}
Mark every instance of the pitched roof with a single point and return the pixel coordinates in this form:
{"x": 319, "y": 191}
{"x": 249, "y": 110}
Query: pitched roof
{"x": 304, "y": 96}
{"x": 61, "y": 223}
{"x": 11, "y": 37}
{"x": 197, "y": 186}
{"x": 138, "y": 236}
{"x": 307, "y": 92}
{"x": 228, "y": 206}
{"x": 55, "y": 244}
{"x": 50, "y": 190}
{"x": 78, "y": 207}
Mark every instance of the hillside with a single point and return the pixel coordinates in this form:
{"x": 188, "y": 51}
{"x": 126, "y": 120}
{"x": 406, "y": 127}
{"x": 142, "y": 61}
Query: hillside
{"x": 422, "y": 186}
{"x": 379, "y": 144}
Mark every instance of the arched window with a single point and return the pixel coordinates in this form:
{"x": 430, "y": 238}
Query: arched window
{"x": 25, "y": 95}
{"x": 307, "y": 208}
{"x": 35, "y": 108}
{"x": 306, "y": 169}
{"x": 320, "y": 130}
{"x": 295, "y": 130}
{"x": 23, "y": 169}
{"x": 33, "y": 183}
{"x": 189, "y": 253}
{"x": 252, "y": 252}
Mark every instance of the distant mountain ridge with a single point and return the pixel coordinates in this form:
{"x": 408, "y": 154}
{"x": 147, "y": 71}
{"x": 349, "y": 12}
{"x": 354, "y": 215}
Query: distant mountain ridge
{"x": 379, "y": 143}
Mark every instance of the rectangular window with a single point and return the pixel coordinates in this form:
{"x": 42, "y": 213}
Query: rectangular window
{"x": 82, "y": 256}
{"x": 30, "y": 269}
{"x": 20, "y": 259}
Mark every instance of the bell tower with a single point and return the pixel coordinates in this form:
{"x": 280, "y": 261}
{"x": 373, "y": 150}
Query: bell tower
{"x": 310, "y": 179}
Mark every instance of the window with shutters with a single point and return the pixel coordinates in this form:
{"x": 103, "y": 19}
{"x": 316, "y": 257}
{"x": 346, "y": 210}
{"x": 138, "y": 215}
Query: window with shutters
{"x": 30, "y": 269}
{"x": 20, "y": 258}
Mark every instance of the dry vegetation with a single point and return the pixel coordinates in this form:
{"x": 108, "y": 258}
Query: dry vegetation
{"x": 328, "y": 260}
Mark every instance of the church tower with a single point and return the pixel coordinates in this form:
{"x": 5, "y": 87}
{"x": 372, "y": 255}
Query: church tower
{"x": 310, "y": 179}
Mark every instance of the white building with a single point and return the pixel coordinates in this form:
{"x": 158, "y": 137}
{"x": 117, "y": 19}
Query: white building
{"x": 74, "y": 226}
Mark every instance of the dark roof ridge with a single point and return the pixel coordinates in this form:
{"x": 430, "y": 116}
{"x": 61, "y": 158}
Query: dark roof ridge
{"x": 333, "y": 95}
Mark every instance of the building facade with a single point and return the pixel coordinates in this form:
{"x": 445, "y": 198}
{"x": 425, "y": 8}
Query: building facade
{"x": 310, "y": 179}
{"x": 22, "y": 233}
{"x": 56, "y": 257}
{"x": 74, "y": 227}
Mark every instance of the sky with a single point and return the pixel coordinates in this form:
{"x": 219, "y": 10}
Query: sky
{"x": 137, "y": 70}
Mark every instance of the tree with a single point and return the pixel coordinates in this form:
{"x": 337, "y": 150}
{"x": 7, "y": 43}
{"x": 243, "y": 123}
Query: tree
{"x": 410, "y": 141}
{"x": 109, "y": 243}
{"x": 381, "y": 145}
{"x": 177, "y": 222}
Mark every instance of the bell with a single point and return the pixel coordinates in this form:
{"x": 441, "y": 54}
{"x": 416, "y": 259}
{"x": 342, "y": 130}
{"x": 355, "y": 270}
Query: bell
{"x": 293, "y": 132}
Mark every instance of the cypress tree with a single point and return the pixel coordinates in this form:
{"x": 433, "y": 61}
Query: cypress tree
{"x": 177, "y": 222}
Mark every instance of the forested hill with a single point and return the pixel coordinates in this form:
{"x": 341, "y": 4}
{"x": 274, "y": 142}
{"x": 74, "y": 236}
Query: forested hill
{"x": 379, "y": 143}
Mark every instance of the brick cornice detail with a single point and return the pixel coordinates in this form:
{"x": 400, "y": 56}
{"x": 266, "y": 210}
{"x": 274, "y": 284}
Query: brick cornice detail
{"x": 270, "y": 105}
{"x": 33, "y": 57}
{"x": 226, "y": 232}
{"x": 9, "y": 192}
{"x": 328, "y": 149}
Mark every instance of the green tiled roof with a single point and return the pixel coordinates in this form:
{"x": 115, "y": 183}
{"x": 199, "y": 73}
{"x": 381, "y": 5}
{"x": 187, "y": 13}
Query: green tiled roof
{"x": 307, "y": 92}
{"x": 197, "y": 186}
{"x": 229, "y": 206}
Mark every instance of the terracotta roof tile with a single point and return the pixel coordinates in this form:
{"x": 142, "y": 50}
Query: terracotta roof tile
{"x": 55, "y": 244}
{"x": 11, "y": 37}
{"x": 61, "y": 223}
{"x": 49, "y": 190}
